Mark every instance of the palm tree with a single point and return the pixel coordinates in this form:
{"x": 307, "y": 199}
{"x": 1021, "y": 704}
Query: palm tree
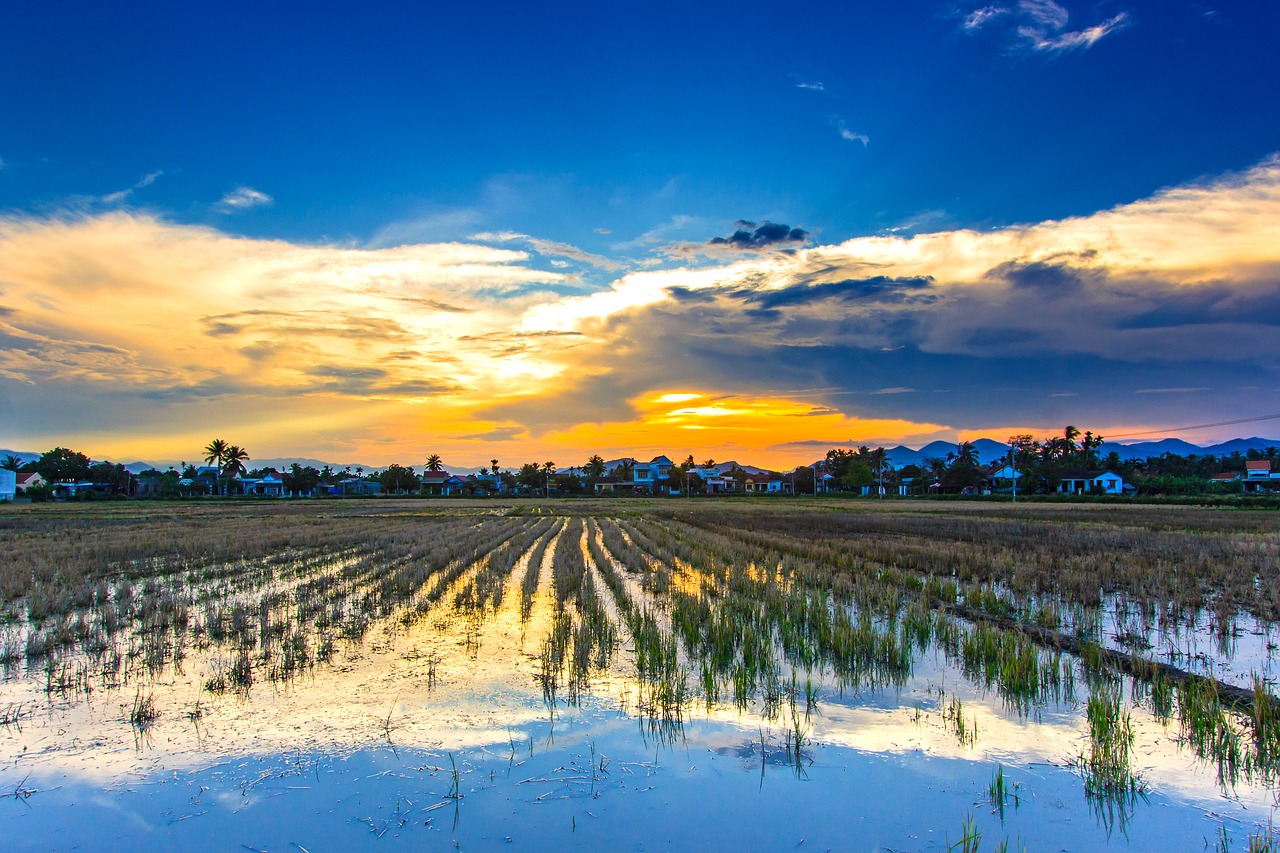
{"x": 215, "y": 453}
{"x": 493, "y": 465}
{"x": 595, "y": 466}
{"x": 1069, "y": 436}
{"x": 968, "y": 454}
{"x": 710, "y": 463}
{"x": 233, "y": 461}
{"x": 434, "y": 463}
{"x": 879, "y": 465}
{"x": 548, "y": 468}
{"x": 11, "y": 463}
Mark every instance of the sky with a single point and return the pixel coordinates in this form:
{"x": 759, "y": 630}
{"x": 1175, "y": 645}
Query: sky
{"x": 519, "y": 232}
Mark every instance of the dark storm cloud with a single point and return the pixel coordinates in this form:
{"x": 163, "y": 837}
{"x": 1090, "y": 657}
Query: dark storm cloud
{"x": 879, "y": 288}
{"x": 751, "y": 237}
{"x": 1046, "y": 278}
{"x": 1210, "y": 305}
{"x": 688, "y": 296}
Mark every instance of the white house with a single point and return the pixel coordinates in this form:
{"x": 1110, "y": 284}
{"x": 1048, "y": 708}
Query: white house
{"x": 1259, "y": 477}
{"x": 1076, "y": 481}
{"x": 8, "y": 484}
{"x": 1007, "y": 472}
{"x": 29, "y": 481}
{"x": 268, "y": 486}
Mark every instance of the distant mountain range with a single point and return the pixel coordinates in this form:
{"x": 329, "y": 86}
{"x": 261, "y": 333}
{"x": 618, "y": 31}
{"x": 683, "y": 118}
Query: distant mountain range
{"x": 280, "y": 464}
{"x": 988, "y": 449}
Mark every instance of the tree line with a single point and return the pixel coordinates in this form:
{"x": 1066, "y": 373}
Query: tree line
{"x": 1042, "y": 464}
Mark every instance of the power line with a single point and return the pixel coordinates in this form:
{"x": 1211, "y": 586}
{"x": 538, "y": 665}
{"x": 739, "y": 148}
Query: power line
{"x": 1197, "y": 426}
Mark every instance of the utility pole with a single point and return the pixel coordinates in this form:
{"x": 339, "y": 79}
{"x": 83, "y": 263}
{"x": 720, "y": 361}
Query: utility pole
{"x": 1013, "y": 471}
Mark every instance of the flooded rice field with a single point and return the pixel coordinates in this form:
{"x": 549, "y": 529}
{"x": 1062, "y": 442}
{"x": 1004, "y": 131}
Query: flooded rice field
{"x": 669, "y": 675}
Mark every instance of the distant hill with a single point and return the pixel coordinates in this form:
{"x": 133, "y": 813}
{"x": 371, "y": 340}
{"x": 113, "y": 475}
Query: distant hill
{"x": 990, "y": 450}
{"x": 1241, "y": 445}
{"x": 1143, "y": 449}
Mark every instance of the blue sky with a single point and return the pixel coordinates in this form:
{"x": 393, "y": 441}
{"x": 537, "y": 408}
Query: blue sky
{"x": 564, "y": 120}
{"x": 600, "y": 141}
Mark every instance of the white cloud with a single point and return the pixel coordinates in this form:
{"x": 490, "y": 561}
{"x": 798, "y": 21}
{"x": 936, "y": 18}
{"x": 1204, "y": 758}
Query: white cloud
{"x": 1041, "y": 25}
{"x": 497, "y": 236}
{"x": 1082, "y": 39}
{"x": 552, "y": 249}
{"x": 123, "y": 195}
{"x": 846, "y": 133}
{"x": 815, "y": 85}
{"x": 242, "y": 198}
{"x": 1045, "y": 13}
{"x": 978, "y": 17}
{"x": 849, "y": 135}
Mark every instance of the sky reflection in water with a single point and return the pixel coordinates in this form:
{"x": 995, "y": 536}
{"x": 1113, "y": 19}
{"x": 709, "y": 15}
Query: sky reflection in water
{"x": 362, "y": 750}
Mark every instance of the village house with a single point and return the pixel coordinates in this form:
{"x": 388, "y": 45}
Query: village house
{"x": 1005, "y": 476}
{"x": 1258, "y": 476}
{"x": 1077, "y": 481}
{"x": 270, "y": 485}
{"x": 205, "y": 482}
{"x": 647, "y": 475}
{"x": 441, "y": 483}
{"x": 28, "y": 481}
{"x": 356, "y": 486}
{"x": 769, "y": 483}
{"x": 486, "y": 484}
{"x": 609, "y": 484}
{"x": 68, "y": 489}
{"x": 8, "y": 485}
